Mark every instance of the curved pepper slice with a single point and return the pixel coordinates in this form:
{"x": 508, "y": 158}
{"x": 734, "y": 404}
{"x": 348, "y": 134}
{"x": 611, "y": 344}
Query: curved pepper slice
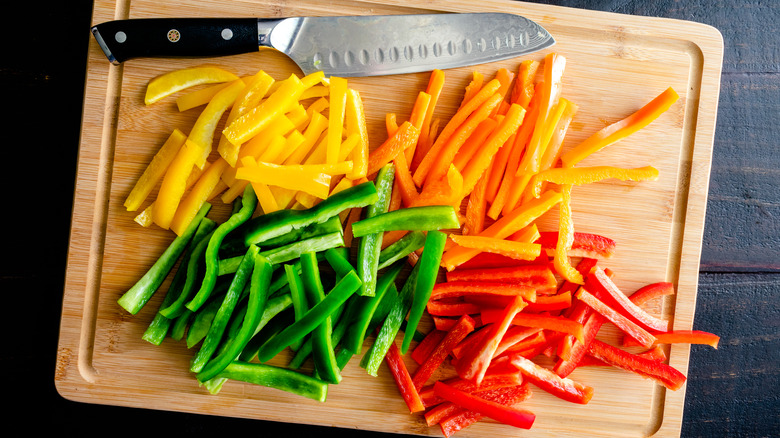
{"x": 177, "y": 80}
{"x": 425, "y": 218}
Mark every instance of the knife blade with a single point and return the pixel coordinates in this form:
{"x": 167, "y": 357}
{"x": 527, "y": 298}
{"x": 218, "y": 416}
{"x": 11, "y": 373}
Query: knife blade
{"x": 348, "y": 46}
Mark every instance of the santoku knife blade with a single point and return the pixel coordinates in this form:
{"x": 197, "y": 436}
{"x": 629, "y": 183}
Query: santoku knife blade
{"x": 347, "y": 46}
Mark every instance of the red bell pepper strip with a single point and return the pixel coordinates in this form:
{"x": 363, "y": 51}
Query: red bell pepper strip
{"x": 439, "y": 354}
{"x": 460, "y": 289}
{"x": 680, "y": 337}
{"x": 644, "y": 337}
{"x": 546, "y": 303}
{"x": 532, "y": 275}
{"x": 471, "y": 340}
{"x": 505, "y": 396}
{"x": 584, "y": 244}
{"x": 592, "y": 325}
{"x": 549, "y": 322}
{"x": 563, "y": 388}
{"x": 503, "y": 414}
{"x": 444, "y": 324}
{"x": 515, "y": 335}
{"x": 403, "y": 380}
{"x": 651, "y": 291}
{"x": 656, "y": 353}
{"x": 602, "y": 287}
{"x": 496, "y": 377}
{"x": 474, "y": 364}
{"x": 492, "y": 260}
{"x": 427, "y": 345}
{"x": 524, "y": 347}
{"x": 658, "y": 371}
{"x": 451, "y": 308}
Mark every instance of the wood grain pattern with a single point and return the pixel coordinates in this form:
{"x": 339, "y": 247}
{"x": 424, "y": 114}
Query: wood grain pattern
{"x": 612, "y": 69}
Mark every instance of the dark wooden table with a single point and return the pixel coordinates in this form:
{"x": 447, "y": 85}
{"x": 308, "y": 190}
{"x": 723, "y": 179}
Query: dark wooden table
{"x": 732, "y": 391}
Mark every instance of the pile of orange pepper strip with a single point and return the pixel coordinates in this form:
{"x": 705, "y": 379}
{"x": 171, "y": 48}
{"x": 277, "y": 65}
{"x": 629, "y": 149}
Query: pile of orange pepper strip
{"x": 276, "y": 137}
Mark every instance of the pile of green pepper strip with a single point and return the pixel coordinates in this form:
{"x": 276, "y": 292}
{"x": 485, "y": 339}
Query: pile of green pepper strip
{"x": 261, "y": 290}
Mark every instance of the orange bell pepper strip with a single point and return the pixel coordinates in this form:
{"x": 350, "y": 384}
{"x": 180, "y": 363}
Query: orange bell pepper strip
{"x": 338, "y": 103}
{"x": 561, "y": 259}
{"x": 515, "y": 250}
{"x": 621, "y": 129}
{"x": 199, "y": 194}
{"x": 446, "y": 154}
{"x": 282, "y": 100}
{"x": 403, "y": 180}
{"x": 479, "y": 163}
{"x": 155, "y": 170}
{"x": 506, "y": 78}
{"x": 498, "y": 168}
{"x": 524, "y": 83}
{"x": 174, "y": 184}
{"x": 177, "y": 80}
{"x": 460, "y": 116}
{"x": 444, "y": 191}
{"x": 202, "y": 132}
{"x": 355, "y": 123}
{"x": 434, "y": 88}
{"x": 391, "y": 124}
{"x": 473, "y": 144}
{"x": 504, "y": 227}
{"x": 473, "y": 87}
{"x": 680, "y": 337}
{"x": 417, "y": 118}
{"x": 587, "y": 175}
{"x": 405, "y": 137}
{"x": 476, "y": 207}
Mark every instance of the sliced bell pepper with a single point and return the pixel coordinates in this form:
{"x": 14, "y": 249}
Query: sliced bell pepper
{"x": 294, "y": 250}
{"x": 503, "y": 414}
{"x": 473, "y": 87}
{"x": 621, "y": 129}
{"x": 656, "y": 353}
{"x": 370, "y": 245}
{"x": 588, "y": 175}
{"x": 651, "y": 291}
{"x": 532, "y": 275}
{"x": 177, "y": 80}
{"x": 403, "y": 380}
{"x": 198, "y": 195}
{"x": 460, "y": 289}
{"x": 474, "y": 142}
{"x": 495, "y": 378}
{"x": 355, "y": 123}
{"x": 434, "y": 89}
{"x": 644, "y": 337}
{"x": 174, "y": 184}
{"x": 338, "y": 102}
{"x": 202, "y": 132}
{"x": 547, "y": 303}
{"x": 519, "y": 338}
{"x": 509, "y": 396}
{"x": 406, "y": 189}
{"x": 460, "y": 330}
{"x": 524, "y": 82}
{"x": 474, "y": 364}
{"x": 446, "y": 307}
{"x": 194, "y": 99}
{"x": 277, "y": 378}
{"x": 155, "y": 170}
{"x": 322, "y": 348}
{"x": 476, "y": 207}
{"x": 680, "y": 337}
{"x": 588, "y": 245}
{"x": 427, "y": 218}
{"x": 515, "y": 250}
{"x": 563, "y": 388}
{"x": 647, "y": 368}
{"x": 428, "y": 344}
{"x": 291, "y": 177}
{"x": 424, "y": 282}
{"x": 548, "y": 322}
{"x": 399, "y": 249}
{"x": 603, "y": 288}
{"x": 446, "y": 190}
{"x": 139, "y": 294}
{"x": 561, "y": 260}
{"x": 417, "y": 118}
{"x": 192, "y": 267}
{"x": 406, "y": 135}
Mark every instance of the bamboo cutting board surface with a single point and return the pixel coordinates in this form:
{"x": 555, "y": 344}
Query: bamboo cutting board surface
{"x": 615, "y": 64}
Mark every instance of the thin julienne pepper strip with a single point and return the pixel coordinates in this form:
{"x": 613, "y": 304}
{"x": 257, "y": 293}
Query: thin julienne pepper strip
{"x": 258, "y": 296}
{"x": 509, "y": 396}
{"x": 644, "y": 337}
{"x": 548, "y": 322}
{"x": 460, "y": 330}
{"x": 434, "y": 88}
{"x": 278, "y": 378}
{"x": 403, "y": 380}
{"x": 561, "y": 259}
{"x": 503, "y": 414}
{"x": 355, "y": 122}
{"x": 399, "y": 249}
{"x": 680, "y": 337}
{"x": 155, "y": 170}
{"x": 496, "y": 377}
{"x": 322, "y": 348}
{"x": 139, "y": 294}
{"x": 545, "y": 379}
{"x": 177, "y": 80}
{"x": 370, "y": 245}
{"x": 426, "y": 218}
{"x": 658, "y": 371}
{"x": 587, "y": 245}
{"x": 588, "y": 175}
{"x": 424, "y": 282}
{"x": 515, "y": 250}
{"x": 248, "y": 205}
{"x": 651, "y": 291}
{"x": 174, "y": 184}
{"x": 428, "y": 344}
{"x": 199, "y": 194}
{"x": 476, "y": 207}
{"x": 461, "y": 289}
{"x": 536, "y": 275}
{"x": 406, "y": 135}
{"x": 338, "y": 102}
{"x": 191, "y": 267}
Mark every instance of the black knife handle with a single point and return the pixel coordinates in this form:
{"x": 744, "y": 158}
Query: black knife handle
{"x": 176, "y": 37}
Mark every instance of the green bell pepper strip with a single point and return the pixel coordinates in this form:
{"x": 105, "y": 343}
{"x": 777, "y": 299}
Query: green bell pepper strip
{"x": 139, "y": 294}
{"x": 299, "y": 302}
{"x": 401, "y": 248}
{"x": 270, "y": 330}
{"x": 427, "y": 218}
{"x": 322, "y": 348}
{"x": 180, "y": 325}
{"x": 392, "y": 323}
{"x": 268, "y": 226}
{"x": 331, "y": 225}
{"x": 201, "y": 322}
{"x": 161, "y": 323}
{"x": 192, "y": 270}
{"x": 258, "y": 296}
{"x": 305, "y": 350}
{"x": 339, "y": 262}
{"x": 248, "y": 205}
{"x": 278, "y": 378}
{"x": 217, "y": 329}
{"x": 278, "y": 282}
{"x": 370, "y": 245}
{"x": 228, "y": 265}
{"x": 294, "y": 250}
{"x": 337, "y": 296}
{"x": 274, "y": 307}
{"x": 365, "y": 308}
{"x": 426, "y": 279}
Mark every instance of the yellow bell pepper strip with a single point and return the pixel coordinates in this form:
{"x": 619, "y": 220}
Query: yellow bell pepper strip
{"x": 355, "y": 123}
{"x": 140, "y": 293}
{"x": 561, "y": 259}
{"x": 174, "y": 184}
{"x": 289, "y": 177}
{"x": 404, "y": 137}
{"x": 587, "y": 175}
{"x": 177, "y": 80}
{"x": 504, "y": 227}
{"x": 447, "y": 153}
{"x": 202, "y": 132}
{"x": 318, "y": 106}
{"x": 254, "y": 91}
{"x": 253, "y": 121}
{"x": 426, "y": 279}
{"x": 258, "y": 297}
{"x": 621, "y": 129}
{"x": 155, "y": 170}
{"x": 421, "y": 173}
{"x": 199, "y": 194}
{"x": 515, "y": 250}
{"x": 312, "y": 135}
{"x": 294, "y": 140}
{"x": 434, "y": 88}
{"x": 265, "y": 197}
{"x": 338, "y": 102}
{"x": 247, "y": 208}
{"x": 316, "y": 91}
{"x": 199, "y": 97}
{"x": 481, "y": 162}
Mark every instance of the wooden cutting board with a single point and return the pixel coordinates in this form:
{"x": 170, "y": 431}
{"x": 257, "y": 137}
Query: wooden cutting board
{"x": 616, "y": 63}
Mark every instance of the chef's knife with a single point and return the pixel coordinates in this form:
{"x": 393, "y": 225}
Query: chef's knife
{"x": 339, "y": 46}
